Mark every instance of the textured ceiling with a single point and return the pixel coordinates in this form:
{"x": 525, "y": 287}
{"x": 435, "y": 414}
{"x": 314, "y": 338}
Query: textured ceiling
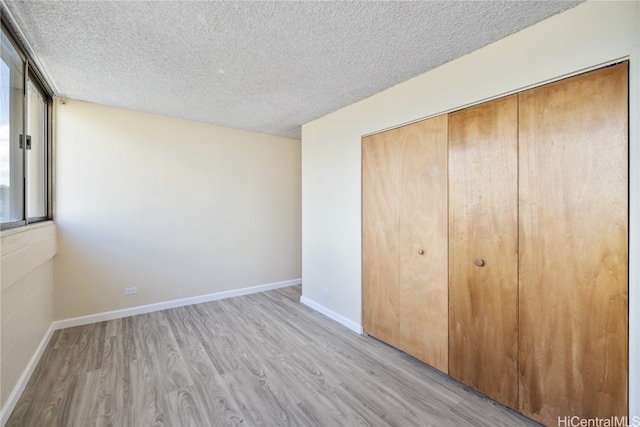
{"x": 261, "y": 66}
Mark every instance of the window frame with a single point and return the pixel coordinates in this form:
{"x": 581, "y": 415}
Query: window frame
{"x": 32, "y": 75}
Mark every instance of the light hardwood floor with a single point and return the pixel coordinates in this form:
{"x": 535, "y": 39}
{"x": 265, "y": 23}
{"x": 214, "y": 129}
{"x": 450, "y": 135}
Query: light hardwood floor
{"x": 261, "y": 359}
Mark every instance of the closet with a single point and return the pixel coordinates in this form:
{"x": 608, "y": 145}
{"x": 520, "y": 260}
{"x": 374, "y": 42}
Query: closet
{"x": 404, "y": 239}
{"x": 573, "y": 227}
{"x": 483, "y": 246}
{"x": 502, "y": 243}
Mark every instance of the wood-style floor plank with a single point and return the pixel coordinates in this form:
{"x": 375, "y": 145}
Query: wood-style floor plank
{"x": 256, "y": 360}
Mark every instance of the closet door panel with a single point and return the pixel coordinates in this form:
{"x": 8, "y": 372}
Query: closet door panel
{"x": 573, "y": 247}
{"x": 404, "y": 239}
{"x": 380, "y": 237}
{"x": 483, "y": 186}
{"x": 423, "y": 241}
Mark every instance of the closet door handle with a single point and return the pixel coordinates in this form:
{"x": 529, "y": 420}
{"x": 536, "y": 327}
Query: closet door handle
{"x": 479, "y": 262}
{"x": 420, "y": 252}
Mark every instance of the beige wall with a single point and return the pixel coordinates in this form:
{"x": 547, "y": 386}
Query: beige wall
{"x": 26, "y": 297}
{"x": 583, "y": 37}
{"x": 176, "y": 208}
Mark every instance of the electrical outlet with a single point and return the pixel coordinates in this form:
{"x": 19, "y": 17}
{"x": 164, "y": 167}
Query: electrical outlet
{"x": 130, "y": 291}
{"x": 325, "y": 290}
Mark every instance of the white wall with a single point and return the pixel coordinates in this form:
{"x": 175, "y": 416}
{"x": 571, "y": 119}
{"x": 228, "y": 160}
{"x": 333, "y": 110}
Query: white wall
{"x": 590, "y": 34}
{"x": 27, "y": 300}
{"x": 176, "y": 208}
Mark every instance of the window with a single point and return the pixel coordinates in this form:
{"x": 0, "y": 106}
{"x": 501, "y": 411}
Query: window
{"x": 25, "y": 109}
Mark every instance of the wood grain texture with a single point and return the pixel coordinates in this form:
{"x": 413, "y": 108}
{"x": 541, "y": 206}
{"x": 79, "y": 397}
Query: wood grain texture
{"x": 287, "y": 365}
{"x": 483, "y": 203}
{"x": 381, "y": 237}
{"x": 573, "y": 247}
{"x": 404, "y": 196}
{"x": 423, "y": 227}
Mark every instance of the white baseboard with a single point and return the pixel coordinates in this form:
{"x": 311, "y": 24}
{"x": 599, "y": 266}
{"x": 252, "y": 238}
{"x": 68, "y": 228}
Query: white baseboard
{"x": 332, "y": 315}
{"x": 13, "y": 398}
{"x": 5, "y": 412}
{"x": 141, "y": 309}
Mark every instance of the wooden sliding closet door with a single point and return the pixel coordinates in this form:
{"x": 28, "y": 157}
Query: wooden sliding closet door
{"x": 404, "y": 239}
{"x": 483, "y": 261}
{"x": 381, "y": 237}
{"x": 573, "y": 247}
